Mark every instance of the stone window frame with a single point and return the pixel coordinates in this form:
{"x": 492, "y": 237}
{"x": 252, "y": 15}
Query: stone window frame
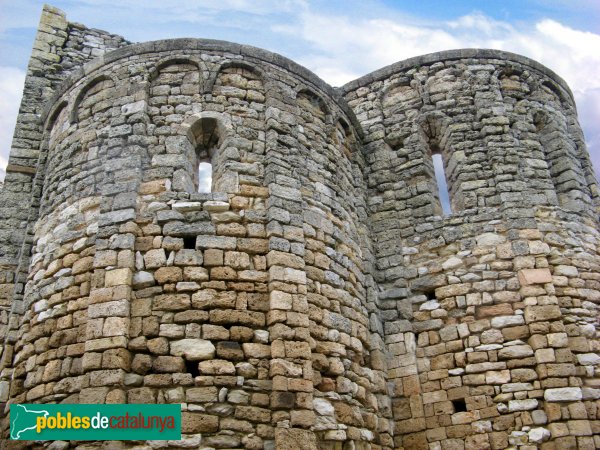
{"x": 223, "y": 179}
{"x": 207, "y": 140}
{"x": 432, "y": 128}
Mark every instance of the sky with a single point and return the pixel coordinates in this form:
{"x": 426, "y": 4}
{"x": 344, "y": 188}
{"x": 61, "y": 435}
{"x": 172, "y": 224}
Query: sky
{"x": 339, "y": 40}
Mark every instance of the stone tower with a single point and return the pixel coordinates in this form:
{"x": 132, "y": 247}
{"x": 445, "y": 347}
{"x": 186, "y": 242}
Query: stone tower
{"x": 317, "y": 297}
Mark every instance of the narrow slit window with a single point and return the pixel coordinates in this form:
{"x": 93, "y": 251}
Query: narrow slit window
{"x": 205, "y": 177}
{"x": 207, "y": 141}
{"x": 440, "y": 176}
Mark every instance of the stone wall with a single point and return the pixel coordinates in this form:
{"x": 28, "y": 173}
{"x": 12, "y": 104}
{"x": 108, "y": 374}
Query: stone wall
{"x": 59, "y": 48}
{"x": 484, "y": 310}
{"x": 316, "y": 298}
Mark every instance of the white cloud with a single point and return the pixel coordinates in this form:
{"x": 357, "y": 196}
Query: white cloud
{"x": 481, "y": 23}
{"x": 571, "y": 53}
{"x": 346, "y": 48}
{"x": 364, "y": 45}
{"x": 11, "y": 87}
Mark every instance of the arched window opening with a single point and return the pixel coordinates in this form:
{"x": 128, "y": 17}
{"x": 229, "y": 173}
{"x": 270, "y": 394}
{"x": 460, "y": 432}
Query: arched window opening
{"x": 207, "y": 140}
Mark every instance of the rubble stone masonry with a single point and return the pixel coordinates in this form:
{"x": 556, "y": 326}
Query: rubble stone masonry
{"x": 317, "y": 297}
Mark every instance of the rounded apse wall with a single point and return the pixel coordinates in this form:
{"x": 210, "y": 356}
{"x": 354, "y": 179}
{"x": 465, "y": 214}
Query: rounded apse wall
{"x": 248, "y": 304}
{"x": 490, "y": 311}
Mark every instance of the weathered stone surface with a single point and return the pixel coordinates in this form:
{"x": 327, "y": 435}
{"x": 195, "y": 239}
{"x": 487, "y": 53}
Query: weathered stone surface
{"x": 198, "y": 423}
{"x": 538, "y": 435}
{"x": 295, "y": 439}
{"x": 193, "y": 349}
{"x": 323, "y": 407}
{"x": 534, "y": 276}
{"x": 568, "y": 394}
{"x": 515, "y": 351}
{"x": 522, "y": 405}
{"x": 507, "y": 321}
{"x": 588, "y": 359}
{"x": 118, "y": 277}
{"x": 497, "y": 377}
{"x": 541, "y": 313}
{"x": 216, "y": 367}
{"x": 142, "y": 279}
{"x": 187, "y": 206}
{"x": 502, "y": 309}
